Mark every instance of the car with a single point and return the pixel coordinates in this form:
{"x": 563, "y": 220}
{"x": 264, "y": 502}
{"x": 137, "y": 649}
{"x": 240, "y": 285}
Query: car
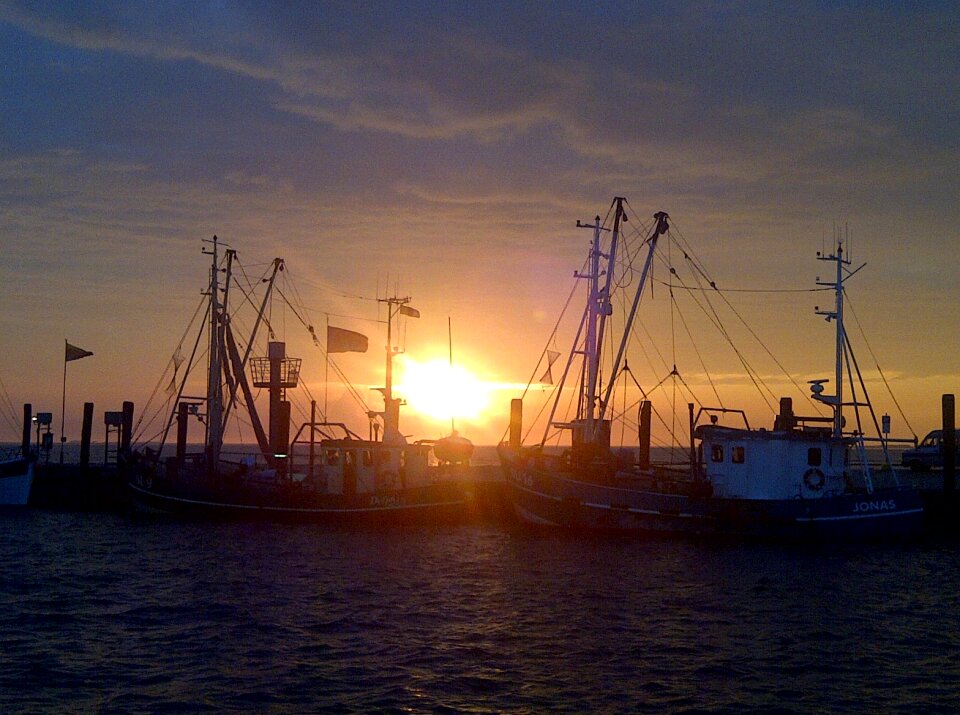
{"x": 929, "y": 453}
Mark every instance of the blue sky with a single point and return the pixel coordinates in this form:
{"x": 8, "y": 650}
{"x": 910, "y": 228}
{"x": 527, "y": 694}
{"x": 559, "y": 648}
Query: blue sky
{"x": 451, "y": 146}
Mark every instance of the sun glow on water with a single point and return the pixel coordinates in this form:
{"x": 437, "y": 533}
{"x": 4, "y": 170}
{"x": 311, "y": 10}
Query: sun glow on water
{"x": 441, "y": 391}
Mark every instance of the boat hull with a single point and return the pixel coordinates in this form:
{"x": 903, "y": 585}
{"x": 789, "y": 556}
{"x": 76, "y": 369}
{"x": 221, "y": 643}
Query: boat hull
{"x": 545, "y": 497}
{"x": 440, "y": 503}
{"x": 16, "y": 481}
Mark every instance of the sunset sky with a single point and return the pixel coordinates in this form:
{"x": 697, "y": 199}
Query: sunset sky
{"x": 447, "y": 150}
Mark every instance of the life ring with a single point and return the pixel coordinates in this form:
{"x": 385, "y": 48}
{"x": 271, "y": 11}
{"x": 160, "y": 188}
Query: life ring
{"x": 814, "y": 479}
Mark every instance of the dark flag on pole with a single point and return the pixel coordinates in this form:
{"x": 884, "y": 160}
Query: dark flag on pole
{"x": 345, "y": 341}
{"x": 75, "y": 353}
{"x": 409, "y": 312}
{"x": 70, "y": 352}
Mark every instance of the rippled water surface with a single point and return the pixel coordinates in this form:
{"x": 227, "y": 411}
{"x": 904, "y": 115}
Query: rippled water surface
{"x": 123, "y": 614}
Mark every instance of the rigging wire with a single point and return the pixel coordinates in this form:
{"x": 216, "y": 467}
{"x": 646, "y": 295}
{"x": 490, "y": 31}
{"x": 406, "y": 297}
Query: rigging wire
{"x": 715, "y": 318}
{"x": 316, "y": 342}
{"x": 696, "y": 350}
{"x": 877, "y": 365}
{"x": 163, "y": 376}
{"x": 552, "y": 337}
{"x": 9, "y": 411}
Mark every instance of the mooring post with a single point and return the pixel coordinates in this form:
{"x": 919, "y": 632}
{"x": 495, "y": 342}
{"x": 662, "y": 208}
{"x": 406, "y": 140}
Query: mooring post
{"x": 313, "y": 441}
{"x": 949, "y": 441}
{"x": 183, "y": 412}
{"x": 27, "y": 424}
{"x": 85, "y": 431}
{"x": 643, "y": 453}
{"x": 126, "y": 429}
{"x": 516, "y": 423}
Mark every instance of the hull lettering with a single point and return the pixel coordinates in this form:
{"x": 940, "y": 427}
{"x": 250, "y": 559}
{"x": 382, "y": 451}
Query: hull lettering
{"x": 863, "y": 507}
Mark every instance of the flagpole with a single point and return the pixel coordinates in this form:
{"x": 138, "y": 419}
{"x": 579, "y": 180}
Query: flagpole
{"x": 326, "y": 369}
{"x": 453, "y": 426}
{"x": 63, "y": 401}
{"x": 70, "y": 352}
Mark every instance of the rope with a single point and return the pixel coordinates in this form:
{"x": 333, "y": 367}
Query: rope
{"x": 877, "y": 365}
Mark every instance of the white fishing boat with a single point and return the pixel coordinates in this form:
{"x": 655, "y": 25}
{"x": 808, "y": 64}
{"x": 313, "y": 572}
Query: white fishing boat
{"x": 802, "y": 477}
{"x": 327, "y": 472}
{"x": 16, "y": 479}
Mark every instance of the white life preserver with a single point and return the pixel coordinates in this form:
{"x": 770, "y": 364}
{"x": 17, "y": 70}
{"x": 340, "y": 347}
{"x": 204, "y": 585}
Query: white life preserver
{"x": 814, "y": 479}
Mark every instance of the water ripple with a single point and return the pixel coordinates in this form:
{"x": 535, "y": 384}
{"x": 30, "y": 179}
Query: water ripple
{"x": 119, "y": 614}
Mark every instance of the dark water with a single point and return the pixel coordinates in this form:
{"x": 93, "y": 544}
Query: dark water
{"x": 126, "y": 614}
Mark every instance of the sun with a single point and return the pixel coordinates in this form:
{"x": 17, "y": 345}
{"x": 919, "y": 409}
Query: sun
{"x": 441, "y": 391}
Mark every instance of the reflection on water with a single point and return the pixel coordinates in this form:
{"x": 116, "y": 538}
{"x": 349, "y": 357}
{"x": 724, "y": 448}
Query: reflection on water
{"x": 100, "y": 611}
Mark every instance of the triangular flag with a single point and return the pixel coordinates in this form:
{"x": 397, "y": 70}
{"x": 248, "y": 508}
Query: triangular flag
{"x": 177, "y": 359}
{"x": 409, "y": 312}
{"x": 74, "y": 353}
{"x": 547, "y": 378}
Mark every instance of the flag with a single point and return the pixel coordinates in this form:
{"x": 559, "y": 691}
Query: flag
{"x": 177, "y": 359}
{"x": 409, "y": 312}
{"x": 345, "y": 341}
{"x": 547, "y": 377}
{"x": 75, "y": 353}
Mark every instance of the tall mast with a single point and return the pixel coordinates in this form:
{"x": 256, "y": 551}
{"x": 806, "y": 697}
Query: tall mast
{"x": 598, "y": 307}
{"x": 604, "y": 297}
{"x": 838, "y": 414}
{"x": 590, "y": 345}
{"x": 836, "y": 401}
{"x": 659, "y": 229}
{"x": 214, "y": 385}
{"x": 391, "y": 406}
{"x": 453, "y": 425}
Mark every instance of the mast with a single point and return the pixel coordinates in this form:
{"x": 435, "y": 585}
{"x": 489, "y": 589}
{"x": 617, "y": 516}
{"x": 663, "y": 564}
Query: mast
{"x": 214, "y": 385}
{"x": 838, "y": 357}
{"x": 590, "y": 351}
{"x": 593, "y": 406}
{"x": 453, "y": 426}
{"x": 835, "y": 401}
{"x": 660, "y": 228}
{"x": 391, "y": 406}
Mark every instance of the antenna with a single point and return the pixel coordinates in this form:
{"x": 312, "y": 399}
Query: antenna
{"x": 453, "y": 427}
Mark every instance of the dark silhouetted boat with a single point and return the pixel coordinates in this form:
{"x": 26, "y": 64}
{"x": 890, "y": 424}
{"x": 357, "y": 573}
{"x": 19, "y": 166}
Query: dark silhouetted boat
{"x": 16, "y": 478}
{"x": 807, "y": 477}
{"x": 325, "y": 473}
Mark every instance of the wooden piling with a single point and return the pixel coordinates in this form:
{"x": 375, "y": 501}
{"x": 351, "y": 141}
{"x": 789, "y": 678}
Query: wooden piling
{"x": 643, "y": 454}
{"x": 126, "y": 429}
{"x": 27, "y": 424}
{"x": 85, "y": 432}
{"x": 516, "y": 423}
{"x": 183, "y": 412}
{"x": 949, "y": 441}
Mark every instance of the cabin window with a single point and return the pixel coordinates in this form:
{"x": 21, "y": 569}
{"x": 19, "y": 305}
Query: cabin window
{"x": 367, "y": 458}
{"x": 736, "y": 455}
{"x": 814, "y": 457}
{"x": 716, "y": 452}
{"x": 333, "y": 457}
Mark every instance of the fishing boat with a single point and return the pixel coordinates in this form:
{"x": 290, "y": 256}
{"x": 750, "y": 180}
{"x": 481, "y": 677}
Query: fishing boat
{"x": 326, "y": 472}
{"x": 16, "y": 462}
{"x": 805, "y": 477}
{"x": 16, "y": 478}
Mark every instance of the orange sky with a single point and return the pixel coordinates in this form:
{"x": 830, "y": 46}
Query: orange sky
{"x": 449, "y": 152}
